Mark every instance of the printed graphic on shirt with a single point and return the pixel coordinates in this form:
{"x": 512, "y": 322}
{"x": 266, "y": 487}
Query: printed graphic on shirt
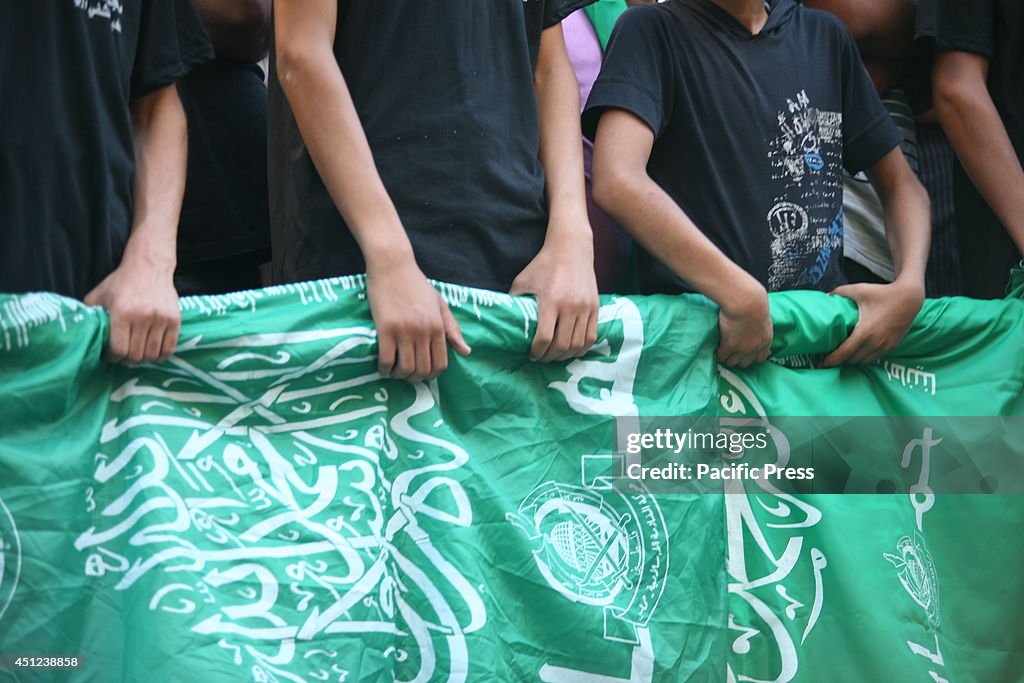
{"x": 806, "y": 220}
{"x": 111, "y": 10}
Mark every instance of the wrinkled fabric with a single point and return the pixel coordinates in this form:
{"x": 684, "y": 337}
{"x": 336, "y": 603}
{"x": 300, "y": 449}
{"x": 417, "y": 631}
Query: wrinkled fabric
{"x": 264, "y": 506}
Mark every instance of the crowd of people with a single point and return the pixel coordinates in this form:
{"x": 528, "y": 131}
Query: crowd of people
{"x": 554, "y": 148}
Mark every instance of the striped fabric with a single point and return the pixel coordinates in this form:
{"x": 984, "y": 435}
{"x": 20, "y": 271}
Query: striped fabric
{"x": 864, "y": 229}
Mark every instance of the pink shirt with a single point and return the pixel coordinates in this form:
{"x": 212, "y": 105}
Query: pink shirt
{"x": 584, "y": 51}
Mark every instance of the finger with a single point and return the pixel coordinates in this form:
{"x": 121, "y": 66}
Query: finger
{"x": 562, "y": 342}
{"x": 387, "y": 353}
{"x": 120, "y": 336}
{"x": 868, "y": 353}
{"x": 591, "y": 338}
{"x": 423, "y": 364}
{"x": 170, "y": 339}
{"x": 438, "y": 356}
{"x": 732, "y": 359}
{"x": 846, "y": 350}
{"x": 545, "y": 334}
{"x": 154, "y": 341}
{"x": 576, "y": 337}
{"x": 405, "y": 363}
{"x": 746, "y": 360}
{"x": 453, "y": 333}
{"x": 878, "y": 355}
{"x": 579, "y": 336}
{"x": 137, "y": 340}
{"x": 848, "y": 291}
{"x": 763, "y": 355}
{"x": 723, "y": 353}
{"x": 520, "y": 288}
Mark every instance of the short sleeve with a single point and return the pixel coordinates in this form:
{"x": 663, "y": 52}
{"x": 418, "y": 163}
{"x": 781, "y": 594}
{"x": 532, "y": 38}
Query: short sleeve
{"x": 172, "y": 41}
{"x": 957, "y": 26}
{"x": 869, "y": 132}
{"x": 637, "y": 72}
{"x": 556, "y": 10}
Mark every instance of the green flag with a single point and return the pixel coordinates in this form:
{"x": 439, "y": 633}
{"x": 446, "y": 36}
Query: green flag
{"x": 603, "y": 14}
{"x": 264, "y": 506}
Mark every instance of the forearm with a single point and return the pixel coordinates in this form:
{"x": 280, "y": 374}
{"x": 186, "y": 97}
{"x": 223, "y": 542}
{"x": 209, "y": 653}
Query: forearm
{"x": 330, "y": 127}
{"x": 979, "y": 138}
{"x": 161, "y": 150}
{"x": 239, "y": 29}
{"x": 655, "y": 221}
{"x": 908, "y": 232}
{"x": 561, "y": 150}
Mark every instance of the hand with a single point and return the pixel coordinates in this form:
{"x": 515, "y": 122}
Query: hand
{"x": 886, "y": 313}
{"x": 413, "y": 323}
{"x": 745, "y": 327}
{"x": 143, "y": 307}
{"x": 562, "y": 279}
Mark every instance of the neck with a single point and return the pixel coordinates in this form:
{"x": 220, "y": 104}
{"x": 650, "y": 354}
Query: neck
{"x": 750, "y": 13}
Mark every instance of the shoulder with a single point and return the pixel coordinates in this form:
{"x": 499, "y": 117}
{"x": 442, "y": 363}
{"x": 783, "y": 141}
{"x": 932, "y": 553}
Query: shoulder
{"x": 824, "y": 31}
{"x": 821, "y": 21}
{"x": 649, "y": 18}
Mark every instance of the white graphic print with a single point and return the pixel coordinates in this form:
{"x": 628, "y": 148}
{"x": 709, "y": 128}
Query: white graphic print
{"x": 806, "y": 220}
{"x": 911, "y": 377}
{"x": 10, "y": 559}
{"x": 111, "y": 10}
{"x": 20, "y": 315}
{"x": 914, "y": 565}
{"x": 313, "y": 537}
{"x": 311, "y": 510}
{"x": 595, "y": 545}
{"x": 771, "y": 621}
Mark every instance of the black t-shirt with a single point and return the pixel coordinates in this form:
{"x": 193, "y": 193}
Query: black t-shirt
{"x": 995, "y": 29}
{"x": 69, "y": 70}
{"x": 444, "y": 90}
{"x": 225, "y": 211}
{"x": 751, "y": 132}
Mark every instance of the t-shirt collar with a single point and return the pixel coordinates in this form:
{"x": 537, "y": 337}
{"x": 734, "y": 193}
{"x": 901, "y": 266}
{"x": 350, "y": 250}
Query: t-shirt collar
{"x": 779, "y": 12}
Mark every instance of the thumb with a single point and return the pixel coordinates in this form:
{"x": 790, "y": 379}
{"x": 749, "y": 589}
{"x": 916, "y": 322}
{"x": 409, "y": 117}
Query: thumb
{"x": 92, "y": 298}
{"x": 521, "y": 286}
{"x": 846, "y": 291}
{"x": 453, "y": 333}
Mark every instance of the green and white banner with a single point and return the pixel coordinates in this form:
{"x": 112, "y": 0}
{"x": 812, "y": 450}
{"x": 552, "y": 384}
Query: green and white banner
{"x": 264, "y": 506}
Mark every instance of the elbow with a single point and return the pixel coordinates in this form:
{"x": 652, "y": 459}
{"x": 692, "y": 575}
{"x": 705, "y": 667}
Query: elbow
{"x": 294, "y": 65}
{"x": 953, "y": 98}
{"x": 609, "y": 189}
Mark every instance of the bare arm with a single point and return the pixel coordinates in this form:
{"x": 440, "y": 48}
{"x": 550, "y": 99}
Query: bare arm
{"x": 887, "y": 311}
{"x": 978, "y": 136}
{"x": 239, "y": 29}
{"x": 907, "y": 216}
{"x": 562, "y": 275}
{"x": 139, "y": 294}
{"x": 412, "y": 321}
{"x": 623, "y": 189}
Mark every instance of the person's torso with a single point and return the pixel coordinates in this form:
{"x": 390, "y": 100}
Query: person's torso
{"x": 444, "y": 90}
{"x": 66, "y": 159}
{"x": 753, "y": 151}
{"x": 224, "y": 210}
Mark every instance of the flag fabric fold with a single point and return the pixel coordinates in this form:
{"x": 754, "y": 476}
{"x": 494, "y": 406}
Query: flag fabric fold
{"x": 263, "y": 505}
